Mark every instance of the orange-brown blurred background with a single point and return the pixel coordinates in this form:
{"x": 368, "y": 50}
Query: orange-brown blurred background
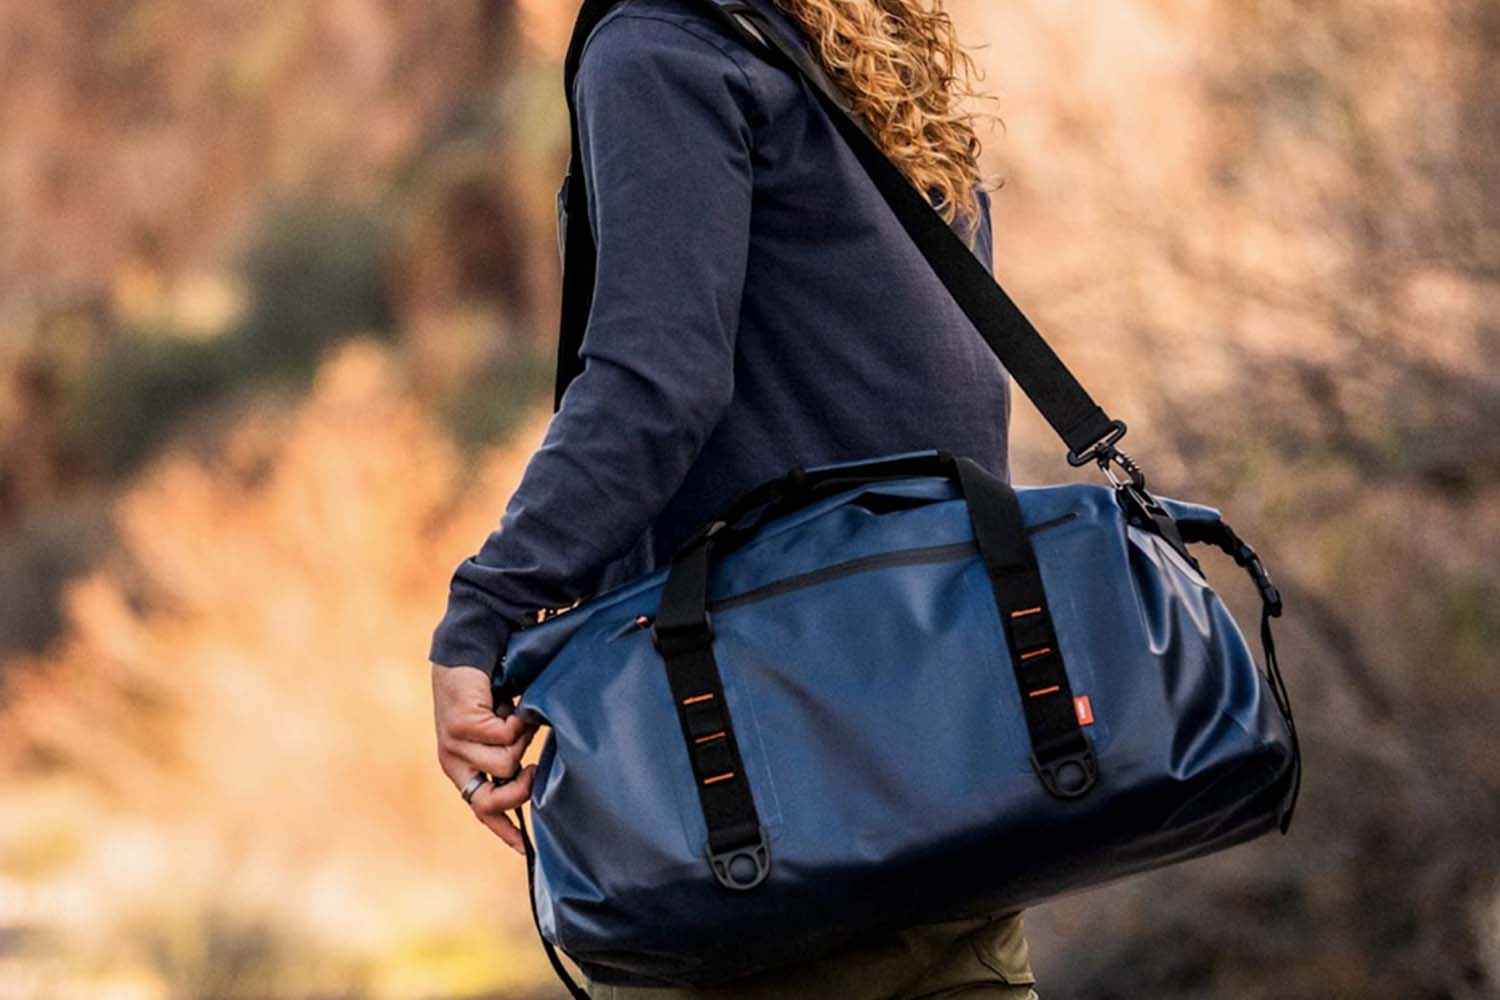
{"x": 277, "y": 296}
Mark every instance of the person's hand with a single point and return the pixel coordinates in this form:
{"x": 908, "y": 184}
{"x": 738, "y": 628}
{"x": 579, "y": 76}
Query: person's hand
{"x": 475, "y": 736}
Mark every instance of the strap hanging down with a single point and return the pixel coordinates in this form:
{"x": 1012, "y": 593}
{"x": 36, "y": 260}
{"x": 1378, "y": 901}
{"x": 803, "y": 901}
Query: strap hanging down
{"x": 575, "y": 991}
{"x": 1041, "y": 374}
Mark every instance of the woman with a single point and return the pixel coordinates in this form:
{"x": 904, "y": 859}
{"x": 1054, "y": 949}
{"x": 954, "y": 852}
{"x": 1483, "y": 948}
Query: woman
{"x": 756, "y": 306}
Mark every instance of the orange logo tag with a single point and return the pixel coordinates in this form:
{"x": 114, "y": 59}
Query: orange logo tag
{"x": 1084, "y": 710}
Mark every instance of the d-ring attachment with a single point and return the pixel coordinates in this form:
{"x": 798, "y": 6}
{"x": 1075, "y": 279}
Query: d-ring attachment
{"x": 1100, "y": 448}
{"x": 742, "y": 868}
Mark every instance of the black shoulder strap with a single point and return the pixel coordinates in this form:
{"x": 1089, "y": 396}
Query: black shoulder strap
{"x": 574, "y": 233}
{"x": 1041, "y": 374}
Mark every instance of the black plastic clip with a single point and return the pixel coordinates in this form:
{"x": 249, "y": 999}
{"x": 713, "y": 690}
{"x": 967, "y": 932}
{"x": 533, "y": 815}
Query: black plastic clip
{"x": 1070, "y": 775}
{"x": 742, "y": 868}
{"x": 1245, "y": 556}
{"x": 1140, "y": 506}
{"x": 1100, "y": 450}
{"x": 1145, "y": 511}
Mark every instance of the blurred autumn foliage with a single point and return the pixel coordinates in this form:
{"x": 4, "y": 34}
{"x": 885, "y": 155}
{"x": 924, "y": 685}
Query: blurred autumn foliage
{"x": 222, "y": 776}
{"x": 277, "y": 291}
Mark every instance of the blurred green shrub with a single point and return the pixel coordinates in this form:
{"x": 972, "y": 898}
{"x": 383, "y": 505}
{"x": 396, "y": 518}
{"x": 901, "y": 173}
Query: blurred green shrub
{"x": 315, "y": 276}
{"x": 127, "y": 403}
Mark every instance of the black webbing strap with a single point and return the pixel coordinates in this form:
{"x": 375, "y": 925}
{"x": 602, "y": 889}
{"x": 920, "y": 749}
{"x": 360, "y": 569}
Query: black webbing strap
{"x": 683, "y": 634}
{"x": 574, "y": 990}
{"x": 1215, "y": 532}
{"x": 578, "y": 252}
{"x": 1284, "y": 702}
{"x": 1060, "y": 751}
{"x": 1041, "y": 374}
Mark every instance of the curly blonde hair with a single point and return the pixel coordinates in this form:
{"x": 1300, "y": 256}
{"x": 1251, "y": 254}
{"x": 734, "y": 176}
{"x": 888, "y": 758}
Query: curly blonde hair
{"x": 900, "y": 65}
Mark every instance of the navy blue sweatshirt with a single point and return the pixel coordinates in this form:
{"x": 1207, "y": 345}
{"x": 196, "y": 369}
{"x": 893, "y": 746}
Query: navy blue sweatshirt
{"x": 757, "y": 306}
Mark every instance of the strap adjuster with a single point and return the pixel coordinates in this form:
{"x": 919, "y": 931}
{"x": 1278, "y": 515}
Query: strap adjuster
{"x": 674, "y": 640}
{"x": 1245, "y": 556}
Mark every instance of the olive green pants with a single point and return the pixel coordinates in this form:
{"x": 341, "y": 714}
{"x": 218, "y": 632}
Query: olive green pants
{"x": 964, "y": 960}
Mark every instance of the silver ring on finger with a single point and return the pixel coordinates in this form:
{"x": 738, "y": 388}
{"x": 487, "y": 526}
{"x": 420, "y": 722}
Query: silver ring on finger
{"x": 472, "y": 786}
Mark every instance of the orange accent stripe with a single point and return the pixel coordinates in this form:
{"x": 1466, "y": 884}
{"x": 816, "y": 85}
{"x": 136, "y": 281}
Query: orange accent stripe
{"x": 718, "y": 777}
{"x": 697, "y": 698}
{"x": 710, "y": 736}
{"x": 1036, "y": 652}
{"x": 1047, "y": 690}
{"x": 1027, "y": 611}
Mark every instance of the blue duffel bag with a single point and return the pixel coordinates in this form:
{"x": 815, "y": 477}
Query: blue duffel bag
{"x": 886, "y": 693}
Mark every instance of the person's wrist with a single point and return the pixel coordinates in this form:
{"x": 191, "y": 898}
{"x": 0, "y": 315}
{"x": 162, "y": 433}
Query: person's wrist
{"x": 436, "y": 666}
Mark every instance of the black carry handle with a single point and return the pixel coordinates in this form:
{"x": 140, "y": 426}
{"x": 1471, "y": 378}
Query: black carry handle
{"x": 684, "y": 601}
{"x": 1088, "y": 431}
{"x": 803, "y": 485}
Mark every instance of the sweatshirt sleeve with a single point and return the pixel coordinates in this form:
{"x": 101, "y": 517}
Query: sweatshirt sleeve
{"x": 665, "y": 145}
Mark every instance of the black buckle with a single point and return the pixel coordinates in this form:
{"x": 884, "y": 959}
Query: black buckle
{"x": 742, "y": 868}
{"x": 1245, "y": 556}
{"x": 1145, "y": 511}
{"x": 678, "y": 639}
{"x": 1100, "y": 448}
{"x": 1140, "y": 505}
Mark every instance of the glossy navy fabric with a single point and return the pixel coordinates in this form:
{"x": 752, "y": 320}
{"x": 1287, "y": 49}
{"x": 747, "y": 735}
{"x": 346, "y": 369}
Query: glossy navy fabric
{"x": 882, "y": 733}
